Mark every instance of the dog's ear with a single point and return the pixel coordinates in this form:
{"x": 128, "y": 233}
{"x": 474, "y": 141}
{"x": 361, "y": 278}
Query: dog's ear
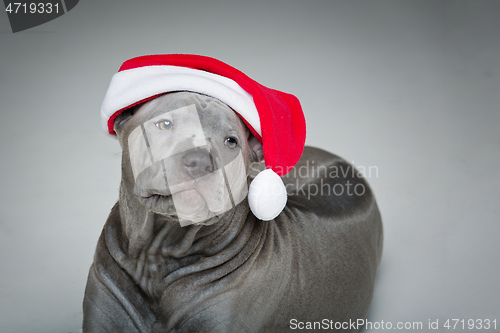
{"x": 123, "y": 118}
{"x": 257, "y": 154}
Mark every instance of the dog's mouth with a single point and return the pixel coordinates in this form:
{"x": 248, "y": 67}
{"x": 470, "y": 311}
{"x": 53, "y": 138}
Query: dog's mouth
{"x": 161, "y": 200}
{"x": 155, "y": 201}
{"x": 188, "y": 206}
{"x": 158, "y": 203}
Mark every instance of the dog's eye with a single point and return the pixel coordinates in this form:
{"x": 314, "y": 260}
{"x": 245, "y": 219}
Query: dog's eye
{"x": 164, "y": 125}
{"x": 230, "y": 142}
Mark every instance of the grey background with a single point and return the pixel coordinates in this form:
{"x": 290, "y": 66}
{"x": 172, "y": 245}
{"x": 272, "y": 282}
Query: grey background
{"x": 411, "y": 87}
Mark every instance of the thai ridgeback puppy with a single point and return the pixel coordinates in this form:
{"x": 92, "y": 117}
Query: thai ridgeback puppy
{"x": 312, "y": 267}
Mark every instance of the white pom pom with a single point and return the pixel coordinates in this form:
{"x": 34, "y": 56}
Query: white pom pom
{"x": 267, "y": 195}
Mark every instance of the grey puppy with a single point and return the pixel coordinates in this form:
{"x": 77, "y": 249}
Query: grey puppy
{"x": 315, "y": 262}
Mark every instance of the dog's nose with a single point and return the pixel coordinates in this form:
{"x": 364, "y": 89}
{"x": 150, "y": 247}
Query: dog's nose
{"x": 198, "y": 163}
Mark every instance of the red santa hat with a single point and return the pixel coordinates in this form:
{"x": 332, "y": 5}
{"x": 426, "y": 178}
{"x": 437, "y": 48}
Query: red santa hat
{"x": 274, "y": 117}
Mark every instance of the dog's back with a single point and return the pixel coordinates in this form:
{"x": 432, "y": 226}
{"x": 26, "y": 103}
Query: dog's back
{"x": 337, "y": 241}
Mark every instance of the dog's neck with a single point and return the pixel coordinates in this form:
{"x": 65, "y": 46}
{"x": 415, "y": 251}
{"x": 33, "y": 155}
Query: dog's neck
{"x": 155, "y": 245}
